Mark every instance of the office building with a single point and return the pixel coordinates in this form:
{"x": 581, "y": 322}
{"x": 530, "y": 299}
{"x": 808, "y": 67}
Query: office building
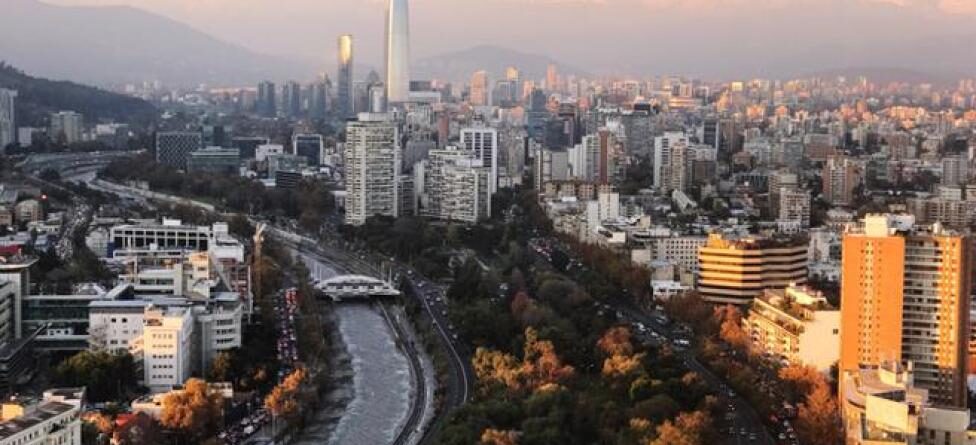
{"x": 66, "y": 126}
{"x": 8, "y": 121}
{"x": 116, "y": 326}
{"x": 795, "y": 326}
{"x": 247, "y": 146}
{"x": 266, "y": 104}
{"x": 170, "y": 235}
{"x": 885, "y": 405}
{"x": 344, "y": 104}
{"x": 309, "y": 146}
{"x": 167, "y": 347}
{"x": 372, "y": 157}
{"x": 55, "y": 419}
{"x": 905, "y": 297}
{"x": 478, "y": 95}
{"x": 737, "y": 270}
{"x": 215, "y": 160}
{"x": 214, "y": 136}
{"x": 291, "y": 99}
{"x": 173, "y": 148}
{"x": 397, "y": 51}
{"x": 483, "y": 142}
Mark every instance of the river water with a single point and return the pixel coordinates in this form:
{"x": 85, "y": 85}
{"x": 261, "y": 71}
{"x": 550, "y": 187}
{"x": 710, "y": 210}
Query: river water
{"x": 374, "y": 378}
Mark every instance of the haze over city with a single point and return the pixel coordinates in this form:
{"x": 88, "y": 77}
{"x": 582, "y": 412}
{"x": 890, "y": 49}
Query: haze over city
{"x": 712, "y": 38}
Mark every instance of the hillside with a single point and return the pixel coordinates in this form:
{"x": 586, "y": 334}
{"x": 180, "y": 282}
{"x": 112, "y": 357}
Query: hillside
{"x": 116, "y": 45}
{"x": 37, "y": 97}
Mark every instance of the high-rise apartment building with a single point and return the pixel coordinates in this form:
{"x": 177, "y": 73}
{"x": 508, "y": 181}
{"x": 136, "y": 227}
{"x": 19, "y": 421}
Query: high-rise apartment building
{"x": 66, "y": 126}
{"x": 484, "y": 143}
{"x": 905, "y": 297}
{"x": 794, "y": 206}
{"x": 594, "y": 160}
{"x": 478, "y": 95}
{"x": 955, "y": 170}
{"x": 669, "y": 160}
{"x": 344, "y": 106}
{"x": 735, "y": 271}
{"x": 841, "y": 176}
{"x": 8, "y": 124}
{"x": 266, "y": 104}
{"x": 454, "y": 186}
{"x": 397, "y": 51}
{"x": 372, "y": 168}
{"x": 173, "y": 148}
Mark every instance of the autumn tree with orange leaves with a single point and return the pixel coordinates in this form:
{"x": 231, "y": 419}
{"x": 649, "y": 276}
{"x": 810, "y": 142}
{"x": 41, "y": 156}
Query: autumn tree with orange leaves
{"x": 492, "y": 436}
{"x": 540, "y": 366}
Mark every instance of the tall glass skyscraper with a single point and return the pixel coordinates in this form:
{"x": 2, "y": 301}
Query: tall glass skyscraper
{"x": 345, "y": 108}
{"x": 397, "y": 51}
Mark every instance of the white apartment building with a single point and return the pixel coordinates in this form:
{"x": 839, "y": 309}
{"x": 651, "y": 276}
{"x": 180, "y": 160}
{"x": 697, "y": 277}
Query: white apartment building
{"x": 372, "y": 168}
{"x": 167, "y": 347}
{"x": 483, "y": 142}
{"x": 795, "y": 325}
{"x": 52, "y": 420}
{"x": 794, "y": 205}
{"x": 453, "y": 184}
{"x": 669, "y": 160}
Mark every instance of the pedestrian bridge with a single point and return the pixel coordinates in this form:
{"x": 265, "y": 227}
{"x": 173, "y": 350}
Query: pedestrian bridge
{"x": 352, "y": 287}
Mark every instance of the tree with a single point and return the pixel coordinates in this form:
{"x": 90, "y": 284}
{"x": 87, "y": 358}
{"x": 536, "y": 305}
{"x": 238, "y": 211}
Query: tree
{"x": 818, "y": 419}
{"x": 107, "y": 376}
{"x": 492, "y": 436}
{"x": 687, "y": 429}
{"x": 729, "y": 320}
{"x": 283, "y": 401}
{"x": 800, "y": 381}
{"x": 194, "y": 412}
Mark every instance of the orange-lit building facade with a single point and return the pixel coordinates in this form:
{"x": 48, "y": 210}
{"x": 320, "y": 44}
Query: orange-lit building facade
{"x": 905, "y": 297}
{"x": 735, "y": 271}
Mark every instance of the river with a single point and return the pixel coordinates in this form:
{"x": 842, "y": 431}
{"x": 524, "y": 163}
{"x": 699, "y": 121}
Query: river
{"x": 377, "y": 397}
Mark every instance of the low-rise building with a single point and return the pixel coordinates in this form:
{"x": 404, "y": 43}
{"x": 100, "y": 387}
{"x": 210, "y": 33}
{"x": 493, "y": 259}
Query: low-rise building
{"x": 882, "y": 406}
{"x": 52, "y": 420}
{"x": 795, "y": 325}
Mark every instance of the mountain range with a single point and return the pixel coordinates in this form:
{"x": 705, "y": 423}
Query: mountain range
{"x": 117, "y": 44}
{"x": 112, "y": 45}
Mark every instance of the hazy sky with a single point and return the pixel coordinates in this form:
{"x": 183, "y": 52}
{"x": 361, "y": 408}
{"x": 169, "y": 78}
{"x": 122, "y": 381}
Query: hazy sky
{"x": 682, "y": 36}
